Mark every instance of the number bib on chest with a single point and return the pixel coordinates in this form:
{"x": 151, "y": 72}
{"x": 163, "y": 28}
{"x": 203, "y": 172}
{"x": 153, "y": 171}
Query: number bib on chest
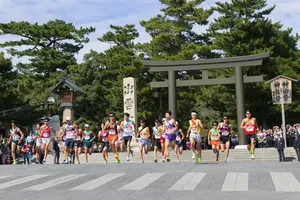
{"x": 250, "y": 128}
{"x": 111, "y": 132}
{"x": 87, "y": 137}
{"x": 194, "y": 130}
{"x": 46, "y": 135}
{"x": 169, "y": 130}
{"x": 215, "y": 138}
{"x": 178, "y": 138}
{"x": 143, "y": 137}
{"x": 225, "y": 133}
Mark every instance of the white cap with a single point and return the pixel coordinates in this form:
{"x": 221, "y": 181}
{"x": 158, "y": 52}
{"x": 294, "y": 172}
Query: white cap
{"x": 86, "y": 125}
{"x": 164, "y": 119}
{"x": 68, "y": 118}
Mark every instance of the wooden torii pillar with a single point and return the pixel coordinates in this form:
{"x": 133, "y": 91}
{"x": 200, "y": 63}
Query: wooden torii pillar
{"x": 204, "y": 65}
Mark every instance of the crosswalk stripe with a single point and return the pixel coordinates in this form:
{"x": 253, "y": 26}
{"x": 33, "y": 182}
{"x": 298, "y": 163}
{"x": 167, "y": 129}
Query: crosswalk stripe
{"x": 20, "y": 181}
{"x": 97, "y": 182}
{"x": 142, "y": 181}
{"x": 235, "y": 181}
{"x": 188, "y": 182}
{"x": 55, "y": 182}
{"x": 285, "y": 182}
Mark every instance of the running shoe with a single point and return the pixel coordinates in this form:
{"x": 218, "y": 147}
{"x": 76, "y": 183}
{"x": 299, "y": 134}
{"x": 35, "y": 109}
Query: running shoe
{"x": 78, "y": 162}
{"x": 14, "y": 163}
{"x": 117, "y": 161}
{"x": 142, "y": 161}
{"x": 168, "y": 159}
{"x": 194, "y": 156}
{"x": 250, "y": 151}
{"x": 225, "y": 160}
{"x": 127, "y": 159}
{"x": 178, "y": 161}
{"x": 155, "y": 160}
{"x": 87, "y": 162}
{"x": 44, "y": 161}
{"x": 198, "y": 160}
{"x": 163, "y": 160}
{"x": 65, "y": 162}
{"x": 252, "y": 157}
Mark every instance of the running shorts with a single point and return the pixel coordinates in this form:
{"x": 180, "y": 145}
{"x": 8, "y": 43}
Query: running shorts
{"x": 127, "y": 139}
{"x": 78, "y": 143}
{"x": 104, "y": 144}
{"x": 144, "y": 142}
{"x": 45, "y": 140}
{"x": 157, "y": 143}
{"x": 69, "y": 143}
{"x": 88, "y": 145}
{"x": 196, "y": 136}
{"x": 250, "y": 137}
{"x": 162, "y": 140}
{"x": 171, "y": 137}
{"x": 215, "y": 143}
{"x": 112, "y": 138}
{"x": 224, "y": 140}
{"x": 178, "y": 143}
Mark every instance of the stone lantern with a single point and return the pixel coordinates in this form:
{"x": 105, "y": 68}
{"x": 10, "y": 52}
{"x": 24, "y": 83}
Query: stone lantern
{"x": 67, "y": 91}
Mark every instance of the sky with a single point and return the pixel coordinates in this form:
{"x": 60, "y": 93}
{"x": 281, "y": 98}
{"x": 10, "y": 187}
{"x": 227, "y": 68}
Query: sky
{"x": 101, "y": 13}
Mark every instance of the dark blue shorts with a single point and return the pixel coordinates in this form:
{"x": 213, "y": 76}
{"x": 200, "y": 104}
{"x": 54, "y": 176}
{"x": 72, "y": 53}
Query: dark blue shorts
{"x": 69, "y": 143}
{"x": 250, "y": 137}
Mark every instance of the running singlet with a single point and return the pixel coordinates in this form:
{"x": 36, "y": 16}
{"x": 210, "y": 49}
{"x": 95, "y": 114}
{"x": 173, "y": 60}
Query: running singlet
{"x": 194, "y": 124}
{"x": 15, "y": 134}
{"x": 87, "y": 136}
{"x": 225, "y": 130}
{"x": 214, "y": 134}
{"x": 112, "y": 131}
{"x": 104, "y": 136}
{"x": 70, "y": 132}
{"x": 178, "y": 135}
{"x": 127, "y": 128}
{"x": 144, "y": 134}
{"x": 30, "y": 140}
{"x": 45, "y": 131}
{"x": 156, "y": 132}
{"x": 78, "y": 135}
{"x": 250, "y": 127}
{"x": 169, "y": 126}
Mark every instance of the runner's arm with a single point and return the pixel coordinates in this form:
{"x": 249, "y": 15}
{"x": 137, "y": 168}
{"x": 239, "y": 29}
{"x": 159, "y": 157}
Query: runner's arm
{"x": 182, "y": 134}
{"x": 201, "y": 125}
{"x": 256, "y": 124}
{"x": 243, "y": 124}
{"x": 121, "y": 126}
{"x": 99, "y": 136}
{"x": 94, "y": 136}
{"x": 148, "y": 132}
{"x": 175, "y": 126}
{"x": 188, "y": 132}
{"x": 22, "y": 135}
{"x": 9, "y": 140}
{"x": 208, "y": 136}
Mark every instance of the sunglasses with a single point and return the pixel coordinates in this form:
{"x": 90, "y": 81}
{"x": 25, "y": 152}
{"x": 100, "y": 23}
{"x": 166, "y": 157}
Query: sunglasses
{"x": 111, "y": 116}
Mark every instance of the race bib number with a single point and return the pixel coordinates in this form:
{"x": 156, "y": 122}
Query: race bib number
{"x": 105, "y": 139}
{"x": 178, "y": 138}
{"x": 194, "y": 130}
{"x": 16, "y": 137}
{"x": 78, "y": 138}
{"x": 163, "y": 135}
{"x": 143, "y": 137}
{"x": 250, "y": 129}
{"x": 169, "y": 130}
{"x": 87, "y": 137}
{"x": 112, "y": 132}
{"x": 225, "y": 133}
{"x": 46, "y": 135}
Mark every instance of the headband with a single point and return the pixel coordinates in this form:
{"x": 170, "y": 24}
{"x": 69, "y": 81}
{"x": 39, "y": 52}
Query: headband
{"x": 193, "y": 113}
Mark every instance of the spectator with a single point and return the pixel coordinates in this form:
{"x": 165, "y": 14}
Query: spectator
{"x": 279, "y": 145}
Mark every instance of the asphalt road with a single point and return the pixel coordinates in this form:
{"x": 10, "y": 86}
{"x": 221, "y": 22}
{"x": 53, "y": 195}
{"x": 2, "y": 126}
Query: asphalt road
{"x": 247, "y": 180}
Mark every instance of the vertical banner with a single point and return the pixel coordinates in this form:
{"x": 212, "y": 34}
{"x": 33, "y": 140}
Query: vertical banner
{"x": 130, "y": 102}
{"x": 281, "y": 91}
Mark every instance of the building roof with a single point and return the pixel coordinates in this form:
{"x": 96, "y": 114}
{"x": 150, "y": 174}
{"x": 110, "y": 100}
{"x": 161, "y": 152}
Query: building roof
{"x": 281, "y": 76}
{"x": 66, "y": 82}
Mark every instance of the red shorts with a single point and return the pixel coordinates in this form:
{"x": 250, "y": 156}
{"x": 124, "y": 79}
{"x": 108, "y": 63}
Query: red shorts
{"x": 162, "y": 140}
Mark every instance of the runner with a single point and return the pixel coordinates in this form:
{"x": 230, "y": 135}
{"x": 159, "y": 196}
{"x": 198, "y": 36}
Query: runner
{"x": 170, "y": 128}
{"x": 88, "y": 138}
{"x": 38, "y": 143}
{"x": 163, "y": 140}
{"x": 111, "y": 127}
{"x": 249, "y": 124}
{"x": 127, "y": 126}
{"x": 120, "y": 141}
{"x": 69, "y": 134}
{"x": 194, "y": 133}
{"x": 78, "y": 142}
{"x": 45, "y": 133}
{"x": 157, "y": 134}
{"x": 16, "y": 138}
{"x": 144, "y": 134}
{"x": 179, "y": 148}
{"x": 103, "y": 137}
{"x": 224, "y": 129}
{"x": 214, "y": 140}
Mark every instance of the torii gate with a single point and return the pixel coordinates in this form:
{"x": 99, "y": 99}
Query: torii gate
{"x": 204, "y": 65}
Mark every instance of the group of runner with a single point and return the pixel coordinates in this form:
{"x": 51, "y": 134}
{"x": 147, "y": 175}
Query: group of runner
{"x": 114, "y": 135}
